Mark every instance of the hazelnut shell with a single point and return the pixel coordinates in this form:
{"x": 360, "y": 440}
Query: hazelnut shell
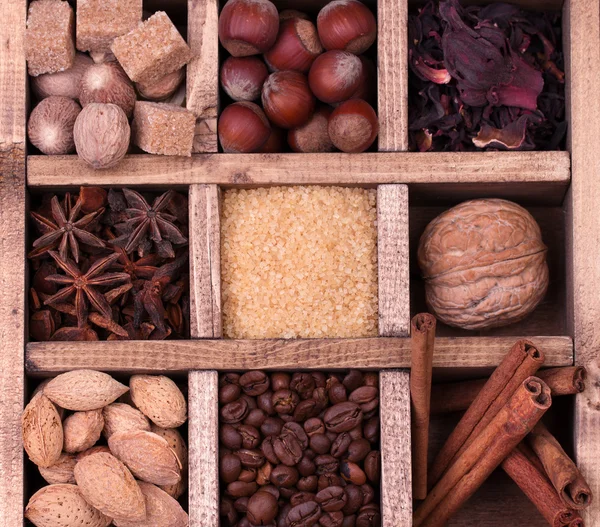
{"x": 353, "y": 126}
{"x": 287, "y": 99}
{"x": 243, "y": 127}
{"x": 50, "y": 126}
{"x": 335, "y": 76}
{"x": 348, "y": 25}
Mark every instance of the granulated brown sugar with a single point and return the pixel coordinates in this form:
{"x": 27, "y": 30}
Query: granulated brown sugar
{"x": 299, "y": 262}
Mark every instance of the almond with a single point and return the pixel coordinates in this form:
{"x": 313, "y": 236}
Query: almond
{"x": 161, "y": 510}
{"x": 120, "y": 417}
{"x": 83, "y": 390}
{"x": 63, "y": 506}
{"x": 40, "y": 388}
{"x": 159, "y": 398}
{"x": 61, "y": 471}
{"x": 107, "y": 484}
{"x": 93, "y": 450}
{"x": 147, "y": 455}
{"x": 82, "y": 430}
{"x": 42, "y": 431}
{"x": 177, "y": 443}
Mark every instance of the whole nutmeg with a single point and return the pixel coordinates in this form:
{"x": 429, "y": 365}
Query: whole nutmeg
{"x": 64, "y": 83}
{"x": 243, "y": 127}
{"x": 243, "y": 78}
{"x": 287, "y": 99}
{"x": 348, "y": 25}
{"x": 164, "y": 88}
{"x": 50, "y": 126}
{"x": 248, "y": 27}
{"x": 353, "y": 126}
{"x": 313, "y": 136}
{"x": 102, "y": 135}
{"x": 107, "y": 83}
{"x": 296, "y": 47}
{"x": 335, "y": 76}
{"x": 484, "y": 264}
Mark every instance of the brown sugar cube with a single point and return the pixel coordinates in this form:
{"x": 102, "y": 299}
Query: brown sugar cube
{"x": 152, "y": 50}
{"x": 165, "y": 129}
{"x": 49, "y": 45}
{"x": 99, "y": 22}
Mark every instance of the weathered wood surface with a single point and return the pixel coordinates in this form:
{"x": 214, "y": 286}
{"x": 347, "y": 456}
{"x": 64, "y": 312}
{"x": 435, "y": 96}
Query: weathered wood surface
{"x": 582, "y": 21}
{"x": 392, "y": 260}
{"x": 396, "y": 486}
{"x": 203, "y": 434}
{"x": 202, "y": 85}
{"x": 205, "y": 262}
{"x": 323, "y": 354}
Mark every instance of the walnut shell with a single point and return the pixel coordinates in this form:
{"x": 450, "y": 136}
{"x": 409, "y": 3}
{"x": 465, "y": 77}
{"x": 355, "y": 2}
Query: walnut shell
{"x": 484, "y": 264}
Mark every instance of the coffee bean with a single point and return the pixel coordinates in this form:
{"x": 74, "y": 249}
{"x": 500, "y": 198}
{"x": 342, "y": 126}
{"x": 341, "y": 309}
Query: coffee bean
{"x": 250, "y": 436}
{"x": 287, "y": 492}
{"x": 284, "y": 476}
{"x": 303, "y": 383}
{"x": 367, "y": 397}
{"x": 314, "y": 425}
{"x": 247, "y": 475}
{"x": 371, "y": 378}
{"x": 320, "y": 443}
{"x": 304, "y": 515}
{"x": 305, "y": 410}
{"x": 319, "y": 378}
{"x": 227, "y": 512}
{"x": 263, "y": 477}
{"x": 354, "y": 499}
{"x": 229, "y": 393}
{"x": 368, "y": 494}
{"x": 349, "y": 521}
{"x": 230, "y": 437}
{"x": 331, "y": 499}
{"x": 296, "y": 430}
{"x": 230, "y": 468}
{"x": 287, "y": 448}
{"x": 331, "y": 519}
{"x": 329, "y": 480}
{"x": 342, "y": 417}
{"x": 371, "y": 429}
{"x": 369, "y": 516}
{"x": 306, "y": 467}
{"x": 340, "y": 446}
{"x": 337, "y": 393}
{"x": 372, "y": 466}
{"x": 285, "y": 401}
{"x": 244, "y": 522}
{"x": 265, "y": 402}
{"x": 352, "y": 380}
{"x": 229, "y": 378}
{"x": 238, "y": 489}
{"x": 352, "y": 472}
{"x": 358, "y": 450}
{"x": 262, "y": 508}
{"x": 356, "y": 432}
{"x": 254, "y": 383}
{"x": 320, "y": 397}
{"x": 326, "y": 463}
{"x": 255, "y": 418}
{"x": 271, "y": 489}
{"x": 282, "y": 516}
{"x": 250, "y": 400}
{"x": 251, "y": 458}
{"x": 234, "y": 412}
{"x": 271, "y": 426}
{"x": 241, "y": 505}
{"x": 309, "y": 484}
{"x": 280, "y": 381}
{"x": 302, "y": 497}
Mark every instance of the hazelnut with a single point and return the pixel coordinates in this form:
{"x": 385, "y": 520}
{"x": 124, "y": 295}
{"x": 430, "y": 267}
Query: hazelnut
{"x": 286, "y": 14}
{"x": 296, "y": 48}
{"x": 50, "y": 126}
{"x": 313, "y": 136}
{"x": 287, "y": 99}
{"x": 107, "y": 83}
{"x": 353, "y": 126}
{"x": 164, "y": 88}
{"x": 243, "y": 127}
{"x": 348, "y": 25}
{"x": 64, "y": 83}
{"x": 248, "y": 27}
{"x": 102, "y": 135}
{"x": 335, "y": 76}
{"x": 275, "y": 143}
{"x": 367, "y": 87}
{"x": 242, "y": 78}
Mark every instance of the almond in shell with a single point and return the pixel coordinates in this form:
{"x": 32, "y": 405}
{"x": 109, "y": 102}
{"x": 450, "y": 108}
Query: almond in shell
{"x": 93, "y": 450}
{"x": 61, "y": 471}
{"x": 177, "y": 443}
{"x": 82, "y": 430}
{"x": 42, "y": 431}
{"x": 161, "y": 509}
{"x": 120, "y": 417}
{"x": 159, "y": 398}
{"x": 83, "y": 390}
{"x": 107, "y": 485}
{"x": 63, "y": 506}
{"x": 147, "y": 455}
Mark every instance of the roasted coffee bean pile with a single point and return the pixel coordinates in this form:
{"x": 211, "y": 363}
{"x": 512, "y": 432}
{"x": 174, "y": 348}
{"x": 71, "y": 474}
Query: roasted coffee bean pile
{"x": 299, "y": 450}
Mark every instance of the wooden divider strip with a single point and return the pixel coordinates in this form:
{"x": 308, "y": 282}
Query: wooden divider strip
{"x": 302, "y": 354}
{"x": 396, "y": 485}
{"x": 205, "y": 262}
{"x": 203, "y": 433}
{"x": 392, "y": 260}
{"x": 202, "y": 89}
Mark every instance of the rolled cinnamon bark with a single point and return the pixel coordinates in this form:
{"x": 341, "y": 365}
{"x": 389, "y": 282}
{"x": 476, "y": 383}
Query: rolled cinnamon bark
{"x": 458, "y": 396}
{"x": 504, "y": 432}
{"x": 570, "y": 485}
{"x": 522, "y": 466}
{"x": 523, "y": 360}
{"x": 422, "y": 339}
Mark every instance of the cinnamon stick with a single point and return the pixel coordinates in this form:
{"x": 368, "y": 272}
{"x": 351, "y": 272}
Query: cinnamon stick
{"x": 570, "y": 485}
{"x": 521, "y": 361}
{"x": 422, "y": 340}
{"x": 504, "y": 432}
{"x": 458, "y": 396}
{"x": 523, "y": 466}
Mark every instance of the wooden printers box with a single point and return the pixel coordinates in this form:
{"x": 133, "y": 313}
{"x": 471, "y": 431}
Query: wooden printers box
{"x": 559, "y": 188}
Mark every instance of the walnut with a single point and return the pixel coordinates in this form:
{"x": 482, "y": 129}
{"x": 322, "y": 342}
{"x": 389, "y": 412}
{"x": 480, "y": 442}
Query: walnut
{"x": 484, "y": 264}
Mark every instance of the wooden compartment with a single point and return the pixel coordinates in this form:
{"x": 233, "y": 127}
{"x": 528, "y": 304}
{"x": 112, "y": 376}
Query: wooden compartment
{"x": 560, "y": 187}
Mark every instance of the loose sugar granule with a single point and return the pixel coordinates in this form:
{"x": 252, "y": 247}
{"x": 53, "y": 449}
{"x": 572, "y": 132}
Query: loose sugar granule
{"x": 299, "y": 262}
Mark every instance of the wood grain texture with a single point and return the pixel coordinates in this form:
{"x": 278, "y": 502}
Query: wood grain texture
{"x": 392, "y": 260}
{"x": 205, "y": 262}
{"x": 13, "y": 105}
{"x": 202, "y": 86}
{"x": 582, "y": 22}
{"x": 547, "y": 171}
{"x": 392, "y": 72}
{"x": 396, "y": 486}
{"x": 323, "y": 354}
{"x": 203, "y": 442}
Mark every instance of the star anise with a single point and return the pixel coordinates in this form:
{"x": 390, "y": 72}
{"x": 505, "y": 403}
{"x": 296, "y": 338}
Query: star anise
{"x": 85, "y": 285}
{"x": 67, "y": 229}
{"x": 149, "y": 220}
